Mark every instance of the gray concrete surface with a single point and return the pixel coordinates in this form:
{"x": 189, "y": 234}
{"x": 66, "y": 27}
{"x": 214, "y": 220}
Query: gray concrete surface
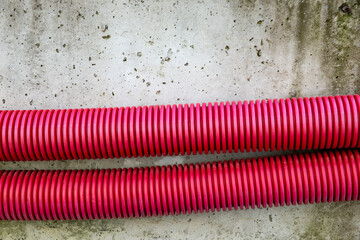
{"x": 71, "y": 54}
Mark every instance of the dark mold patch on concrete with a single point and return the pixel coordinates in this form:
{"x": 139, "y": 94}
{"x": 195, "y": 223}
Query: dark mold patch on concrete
{"x": 341, "y": 52}
{"x": 324, "y": 32}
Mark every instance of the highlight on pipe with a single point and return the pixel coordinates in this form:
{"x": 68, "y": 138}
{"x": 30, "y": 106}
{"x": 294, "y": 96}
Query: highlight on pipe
{"x": 266, "y": 125}
{"x": 190, "y": 188}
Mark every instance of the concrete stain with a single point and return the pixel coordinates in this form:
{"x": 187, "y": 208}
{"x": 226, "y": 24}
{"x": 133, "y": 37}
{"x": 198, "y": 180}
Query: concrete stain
{"x": 302, "y": 29}
{"x": 13, "y": 231}
{"x": 330, "y": 220}
{"x": 325, "y": 32}
{"x": 243, "y": 5}
{"x": 341, "y": 52}
{"x": 315, "y": 22}
{"x": 63, "y": 229}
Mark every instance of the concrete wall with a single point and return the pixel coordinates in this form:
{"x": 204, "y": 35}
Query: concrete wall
{"x": 72, "y": 54}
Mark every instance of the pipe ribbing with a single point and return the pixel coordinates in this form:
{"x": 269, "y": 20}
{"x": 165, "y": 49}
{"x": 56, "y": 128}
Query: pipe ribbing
{"x": 179, "y": 189}
{"x": 267, "y": 125}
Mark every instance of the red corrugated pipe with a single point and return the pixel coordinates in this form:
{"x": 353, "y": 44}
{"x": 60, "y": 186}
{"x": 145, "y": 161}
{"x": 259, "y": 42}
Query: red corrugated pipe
{"x": 302, "y": 123}
{"x": 117, "y": 193}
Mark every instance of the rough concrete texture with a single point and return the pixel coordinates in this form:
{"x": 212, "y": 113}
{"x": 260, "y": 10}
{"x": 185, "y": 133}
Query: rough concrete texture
{"x": 72, "y": 54}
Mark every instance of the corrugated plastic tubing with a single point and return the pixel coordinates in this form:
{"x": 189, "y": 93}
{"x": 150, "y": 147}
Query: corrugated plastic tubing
{"x": 179, "y": 189}
{"x": 293, "y": 124}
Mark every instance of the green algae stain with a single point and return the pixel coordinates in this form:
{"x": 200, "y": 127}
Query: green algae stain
{"x": 341, "y": 50}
